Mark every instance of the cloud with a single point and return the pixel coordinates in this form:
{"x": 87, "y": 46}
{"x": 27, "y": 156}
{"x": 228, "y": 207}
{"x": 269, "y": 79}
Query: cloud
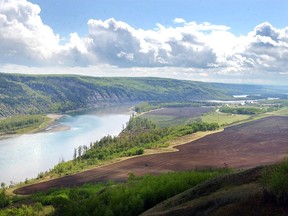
{"x": 24, "y": 39}
{"x": 267, "y": 49}
{"x": 179, "y": 20}
{"x": 267, "y": 30}
{"x": 113, "y": 42}
{"x": 187, "y": 49}
{"x": 117, "y": 43}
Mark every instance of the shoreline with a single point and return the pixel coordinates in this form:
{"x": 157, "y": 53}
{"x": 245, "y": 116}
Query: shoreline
{"x": 50, "y": 125}
{"x": 53, "y": 125}
{"x": 173, "y": 144}
{"x": 8, "y": 136}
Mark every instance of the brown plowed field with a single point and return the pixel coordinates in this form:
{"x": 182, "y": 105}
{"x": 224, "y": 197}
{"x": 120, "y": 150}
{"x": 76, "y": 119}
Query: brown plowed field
{"x": 188, "y": 112}
{"x": 242, "y": 146}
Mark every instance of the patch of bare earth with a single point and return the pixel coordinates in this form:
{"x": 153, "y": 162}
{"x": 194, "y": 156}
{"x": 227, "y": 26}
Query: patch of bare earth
{"x": 260, "y": 142}
{"x": 188, "y": 112}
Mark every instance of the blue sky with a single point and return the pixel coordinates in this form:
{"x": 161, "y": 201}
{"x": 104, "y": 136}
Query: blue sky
{"x": 66, "y": 16}
{"x": 215, "y": 41}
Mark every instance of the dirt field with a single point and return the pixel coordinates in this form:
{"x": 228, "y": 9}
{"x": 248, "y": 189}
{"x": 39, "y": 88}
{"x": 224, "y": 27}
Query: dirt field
{"x": 166, "y": 117}
{"x": 243, "y": 146}
{"x": 189, "y": 112}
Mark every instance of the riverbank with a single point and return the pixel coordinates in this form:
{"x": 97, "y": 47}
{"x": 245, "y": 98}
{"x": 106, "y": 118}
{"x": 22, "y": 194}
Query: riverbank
{"x": 49, "y": 124}
{"x": 72, "y": 168}
{"x": 172, "y": 147}
{"x": 42, "y": 150}
{"x": 53, "y": 125}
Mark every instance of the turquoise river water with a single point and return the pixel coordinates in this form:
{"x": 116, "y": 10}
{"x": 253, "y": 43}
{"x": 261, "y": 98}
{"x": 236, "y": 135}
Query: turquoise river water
{"x": 27, "y": 155}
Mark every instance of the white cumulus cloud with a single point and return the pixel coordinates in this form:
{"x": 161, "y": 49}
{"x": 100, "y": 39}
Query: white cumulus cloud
{"x": 179, "y": 20}
{"x": 24, "y": 39}
{"x": 186, "y": 48}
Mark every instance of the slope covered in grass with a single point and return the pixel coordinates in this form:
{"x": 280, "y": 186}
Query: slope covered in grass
{"x": 241, "y": 193}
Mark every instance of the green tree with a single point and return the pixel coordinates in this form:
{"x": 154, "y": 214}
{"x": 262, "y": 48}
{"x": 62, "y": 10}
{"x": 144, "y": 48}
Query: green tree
{"x": 3, "y": 186}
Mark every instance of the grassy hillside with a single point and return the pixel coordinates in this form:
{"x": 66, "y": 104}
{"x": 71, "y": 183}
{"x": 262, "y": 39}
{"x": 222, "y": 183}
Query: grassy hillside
{"x": 261, "y": 191}
{"x": 22, "y": 94}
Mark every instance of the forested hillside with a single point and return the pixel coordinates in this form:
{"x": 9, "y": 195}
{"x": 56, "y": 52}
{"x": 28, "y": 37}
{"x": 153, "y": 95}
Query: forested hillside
{"x": 30, "y": 94}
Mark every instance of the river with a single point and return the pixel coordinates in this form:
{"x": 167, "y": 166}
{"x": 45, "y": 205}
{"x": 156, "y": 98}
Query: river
{"x": 27, "y": 155}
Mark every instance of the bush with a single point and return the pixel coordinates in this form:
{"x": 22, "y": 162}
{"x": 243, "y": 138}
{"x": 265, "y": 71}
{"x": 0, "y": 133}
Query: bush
{"x": 4, "y": 200}
{"x": 275, "y": 182}
{"x": 133, "y": 151}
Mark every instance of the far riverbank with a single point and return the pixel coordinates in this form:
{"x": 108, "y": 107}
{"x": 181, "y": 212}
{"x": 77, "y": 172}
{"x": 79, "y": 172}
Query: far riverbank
{"x": 49, "y": 124}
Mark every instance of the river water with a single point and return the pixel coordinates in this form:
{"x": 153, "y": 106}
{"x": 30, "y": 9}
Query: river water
{"x": 27, "y": 155}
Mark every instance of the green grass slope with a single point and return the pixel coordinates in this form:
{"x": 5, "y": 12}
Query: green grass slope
{"x": 240, "y": 193}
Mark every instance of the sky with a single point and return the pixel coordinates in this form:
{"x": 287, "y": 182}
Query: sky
{"x": 239, "y": 41}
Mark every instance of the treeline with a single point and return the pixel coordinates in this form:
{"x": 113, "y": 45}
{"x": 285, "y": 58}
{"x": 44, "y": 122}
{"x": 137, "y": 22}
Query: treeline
{"x": 277, "y": 103}
{"x": 244, "y": 110}
{"x": 139, "y": 134}
{"x": 12, "y": 124}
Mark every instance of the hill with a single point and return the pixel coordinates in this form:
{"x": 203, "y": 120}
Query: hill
{"x": 31, "y": 94}
{"x": 240, "y": 193}
{"x": 35, "y": 94}
{"x": 254, "y": 91}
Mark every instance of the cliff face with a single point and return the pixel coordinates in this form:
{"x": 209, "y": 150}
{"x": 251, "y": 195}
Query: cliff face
{"x": 23, "y": 94}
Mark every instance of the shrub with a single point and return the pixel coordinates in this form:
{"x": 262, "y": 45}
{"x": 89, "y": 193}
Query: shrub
{"x": 275, "y": 182}
{"x": 4, "y": 200}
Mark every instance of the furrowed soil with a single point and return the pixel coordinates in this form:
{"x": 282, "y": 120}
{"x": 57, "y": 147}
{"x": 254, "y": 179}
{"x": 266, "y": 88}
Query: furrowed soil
{"x": 181, "y": 111}
{"x": 166, "y": 117}
{"x": 247, "y": 145}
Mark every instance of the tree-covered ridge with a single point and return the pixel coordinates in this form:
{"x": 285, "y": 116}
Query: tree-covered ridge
{"x": 33, "y": 94}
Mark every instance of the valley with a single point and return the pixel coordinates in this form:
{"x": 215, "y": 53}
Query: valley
{"x": 180, "y": 129}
